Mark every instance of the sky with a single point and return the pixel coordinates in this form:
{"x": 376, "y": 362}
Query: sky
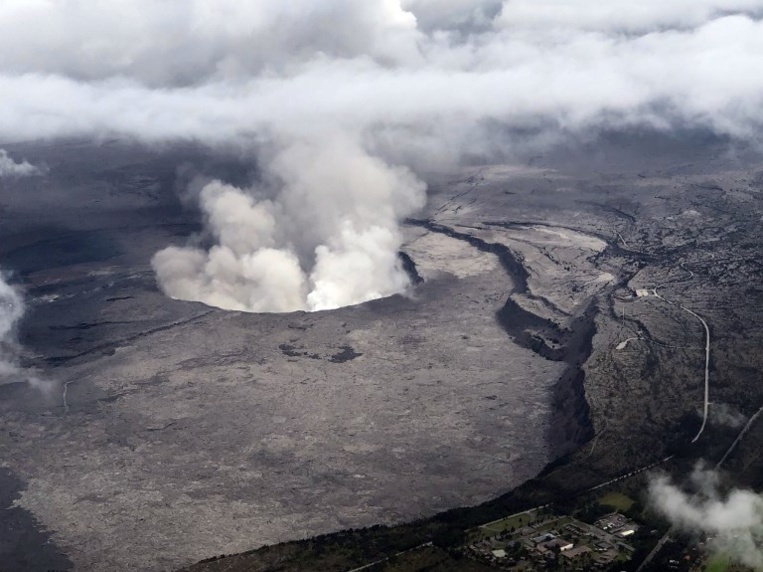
{"x": 341, "y": 103}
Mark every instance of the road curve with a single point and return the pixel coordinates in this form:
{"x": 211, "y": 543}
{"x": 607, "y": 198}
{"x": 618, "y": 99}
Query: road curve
{"x": 707, "y": 371}
{"x": 706, "y": 405}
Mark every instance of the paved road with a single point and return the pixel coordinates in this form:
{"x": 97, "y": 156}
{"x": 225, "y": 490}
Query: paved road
{"x": 528, "y": 511}
{"x": 655, "y": 550}
{"x": 707, "y": 371}
{"x": 630, "y": 474}
{"x": 706, "y": 405}
{"x": 739, "y": 438}
{"x": 366, "y": 566}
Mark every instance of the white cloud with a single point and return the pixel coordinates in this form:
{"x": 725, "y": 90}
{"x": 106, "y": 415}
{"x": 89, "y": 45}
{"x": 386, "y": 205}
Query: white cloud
{"x": 405, "y": 81}
{"x": 615, "y": 16}
{"x": 734, "y": 520}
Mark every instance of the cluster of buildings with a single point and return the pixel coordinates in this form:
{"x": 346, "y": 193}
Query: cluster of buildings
{"x": 562, "y": 542}
{"x": 617, "y": 524}
{"x": 549, "y": 542}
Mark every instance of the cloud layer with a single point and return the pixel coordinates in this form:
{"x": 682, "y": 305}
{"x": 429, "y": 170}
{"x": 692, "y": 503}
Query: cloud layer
{"x": 346, "y": 89}
{"x": 221, "y": 70}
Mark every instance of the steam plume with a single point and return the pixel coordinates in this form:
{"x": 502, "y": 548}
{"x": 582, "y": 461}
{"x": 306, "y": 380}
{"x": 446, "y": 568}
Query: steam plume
{"x": 10, "y": 168}
{"x": 11, "y": 311}
{"x": 11, "y": 302}
{"x": 329, "y": 239}
{"x": 733, "y": 521}
{"x": 355, "y": 94}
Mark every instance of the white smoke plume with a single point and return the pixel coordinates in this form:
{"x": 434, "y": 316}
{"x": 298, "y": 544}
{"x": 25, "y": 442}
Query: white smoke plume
{"x": 10, "y": 168}
{"x": 733, "y": 521}
{"x": 11, "y": 311}
{"x": 329, "y": 239}
{"x": 727, "y": 415}
{"x": 355, "y": 94}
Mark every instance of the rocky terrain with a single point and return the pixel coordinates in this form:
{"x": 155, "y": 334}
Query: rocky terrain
{"x": 171, "y": 431}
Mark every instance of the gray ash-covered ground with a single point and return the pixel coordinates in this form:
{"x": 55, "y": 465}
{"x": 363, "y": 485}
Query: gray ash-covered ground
{"x": 174, "y": 431}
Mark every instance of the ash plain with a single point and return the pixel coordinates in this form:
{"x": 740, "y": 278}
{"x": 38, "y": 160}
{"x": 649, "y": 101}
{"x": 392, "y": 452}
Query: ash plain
{"x": 175, "y": 431}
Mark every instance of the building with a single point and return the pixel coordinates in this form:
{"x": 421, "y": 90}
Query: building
{"x": 560, "y": 544}
{"x": 543, "y": 538}
{"x": 573, "y": 553}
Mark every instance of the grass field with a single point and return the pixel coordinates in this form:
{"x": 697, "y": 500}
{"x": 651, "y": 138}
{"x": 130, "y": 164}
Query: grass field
{"x": 718, "y": 563}
{"x": 516, "y": 521}
{"x": 617, "y": 501}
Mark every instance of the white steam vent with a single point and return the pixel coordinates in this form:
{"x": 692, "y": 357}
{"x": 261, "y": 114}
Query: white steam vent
{"x": 11, "y": 311}
{"x": 330, "y": 238}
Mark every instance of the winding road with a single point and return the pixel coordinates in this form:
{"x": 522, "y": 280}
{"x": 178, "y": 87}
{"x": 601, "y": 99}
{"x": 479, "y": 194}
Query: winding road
{"x": 706, "y": 405}
{"x": 707, "y": 371}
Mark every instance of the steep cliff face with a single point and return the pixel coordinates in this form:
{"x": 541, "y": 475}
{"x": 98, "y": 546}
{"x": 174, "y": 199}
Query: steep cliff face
{"x": 570, "y": 425}
{"x": 571, "y": 422}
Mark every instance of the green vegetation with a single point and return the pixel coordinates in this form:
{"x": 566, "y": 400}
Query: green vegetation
{"x": 718, "y": 563}
{"x": 553, "y": 542}
{"x": 617, "y": 501}
{"x": 464, "y": 538}
{"x": 432, "y": 558}
{"x": 508, "y": 524}
{"x": 405, "y": 547}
